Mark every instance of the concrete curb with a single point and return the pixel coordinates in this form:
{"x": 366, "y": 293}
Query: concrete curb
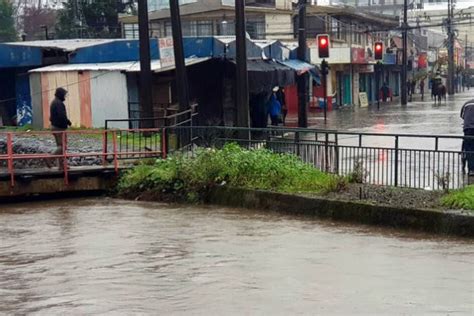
{"x": 433, "y": 221}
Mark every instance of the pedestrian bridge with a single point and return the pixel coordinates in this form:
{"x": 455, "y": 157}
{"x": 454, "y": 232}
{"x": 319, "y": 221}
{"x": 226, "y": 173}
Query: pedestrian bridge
{"x": 90, "y": 159}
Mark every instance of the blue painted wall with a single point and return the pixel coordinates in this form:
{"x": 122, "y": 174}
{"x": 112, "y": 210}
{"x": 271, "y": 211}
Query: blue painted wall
{"x": 24, "y": 111}
{"x": 201, "y": 47}
{"x": 117, "y": 51}
{"x": 19, "y": 56}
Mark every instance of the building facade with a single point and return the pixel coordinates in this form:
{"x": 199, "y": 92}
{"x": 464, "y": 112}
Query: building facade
{"x": 266, "y": 19}
{"x": 352, "y": 65}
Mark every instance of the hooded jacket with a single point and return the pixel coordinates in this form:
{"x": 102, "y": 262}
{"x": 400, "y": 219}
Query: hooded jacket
{"x": 57, "y": 112}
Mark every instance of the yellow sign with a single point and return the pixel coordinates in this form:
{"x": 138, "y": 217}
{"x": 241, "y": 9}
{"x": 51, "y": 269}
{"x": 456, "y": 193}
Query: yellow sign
{"x": 363, "y": 100}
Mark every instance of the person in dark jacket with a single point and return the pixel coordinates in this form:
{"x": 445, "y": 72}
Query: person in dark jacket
{"x": 59, "y": 120}
{"x": 280, "y": 94}
{"x": 467, "y": 114}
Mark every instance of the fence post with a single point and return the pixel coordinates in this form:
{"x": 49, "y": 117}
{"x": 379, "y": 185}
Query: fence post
{"x": 396, "y": 161}
{"x": 10, "y": 159}
{"x": 336, "y": 153}
{"x": 164, "y": 150}
{"x": 64, "y": 154}
{"x": 326, "y": 151}
{"x": 105, "y": 143}
{"x": 114, "y": 137}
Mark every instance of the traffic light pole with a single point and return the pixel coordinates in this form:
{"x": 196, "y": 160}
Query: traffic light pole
{"x": 324, "y": 72}
{"x": 377, "y": 83}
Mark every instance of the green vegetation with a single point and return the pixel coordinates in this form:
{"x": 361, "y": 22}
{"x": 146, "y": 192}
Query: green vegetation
{"x": 7, "y": 22}
{"x": 463, "y": 198}
{"x": 95, "y": 19}
{"x": 188, "y": 178}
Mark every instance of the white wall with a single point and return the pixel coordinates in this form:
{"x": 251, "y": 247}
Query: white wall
{"x": 278, "y": 26}
{"x": 108, "y": 97}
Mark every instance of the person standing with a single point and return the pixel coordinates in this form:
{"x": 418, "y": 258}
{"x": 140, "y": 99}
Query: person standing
{"x": 59, "y": 121}
{"x": 274, "y": 108}
{"x": 280, "y": 94}
{"x": 467, "y": 114}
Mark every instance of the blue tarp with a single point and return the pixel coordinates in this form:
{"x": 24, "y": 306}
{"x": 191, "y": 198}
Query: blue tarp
{"x": 302, "y": 67}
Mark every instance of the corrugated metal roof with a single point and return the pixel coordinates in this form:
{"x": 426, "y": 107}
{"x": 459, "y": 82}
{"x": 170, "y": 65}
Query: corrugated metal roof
{"x": 128, "y": 66}
{"x": 66, "y": 45}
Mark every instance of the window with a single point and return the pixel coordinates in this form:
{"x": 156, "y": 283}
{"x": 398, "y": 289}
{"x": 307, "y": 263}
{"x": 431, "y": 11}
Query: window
{"x": 205, "y": 28}
{"x": 167, "y": 29}
{"x": 189, "y": 28}
{"x": 337, "y": 30}
{"x": 130, "y": 30}
{"x": 227, "y": 28}
{"x": 256, "y": 29}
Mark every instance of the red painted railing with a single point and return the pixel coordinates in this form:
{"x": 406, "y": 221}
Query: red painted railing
{"x": 117, "y": 146}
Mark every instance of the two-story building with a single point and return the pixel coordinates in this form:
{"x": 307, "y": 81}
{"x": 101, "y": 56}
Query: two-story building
{"x": 266, "y": 19}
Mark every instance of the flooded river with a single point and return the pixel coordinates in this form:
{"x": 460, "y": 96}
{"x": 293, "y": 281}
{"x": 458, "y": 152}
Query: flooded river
{"x": 102, "y": 256}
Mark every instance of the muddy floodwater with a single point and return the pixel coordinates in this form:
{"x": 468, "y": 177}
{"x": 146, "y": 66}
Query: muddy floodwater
{"x": 104, "y": 256}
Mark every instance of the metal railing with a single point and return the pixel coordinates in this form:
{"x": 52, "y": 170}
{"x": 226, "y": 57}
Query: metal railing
{"x": 149, "y": 140}
{"x": 91, "y": 148}
{"x": 416, "y": 161}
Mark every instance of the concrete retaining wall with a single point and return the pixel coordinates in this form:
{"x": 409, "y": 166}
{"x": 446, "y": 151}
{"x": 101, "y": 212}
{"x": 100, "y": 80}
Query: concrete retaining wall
{"x": 435, "y": 221}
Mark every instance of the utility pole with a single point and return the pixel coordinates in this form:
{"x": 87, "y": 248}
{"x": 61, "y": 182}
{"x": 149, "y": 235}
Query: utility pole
{"x": 181, "y": 75}
{"x": 242, "y": 85}
{"x": 302, "y": 80}
{"x": 450, "y": 48}
{"x": 146, "y": 105}
{"x": 404, "y": 54}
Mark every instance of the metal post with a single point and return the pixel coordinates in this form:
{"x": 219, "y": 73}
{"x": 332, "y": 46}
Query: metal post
{"x": 404, "y": 54}
{"x": 450, "y": 49}
{"x": 302, "y": 80}
{"x": 242, "y": 86}
{"x": 181, "y": 76}
{"x": 145, "y": 66}
{"x": 396, "y": 161}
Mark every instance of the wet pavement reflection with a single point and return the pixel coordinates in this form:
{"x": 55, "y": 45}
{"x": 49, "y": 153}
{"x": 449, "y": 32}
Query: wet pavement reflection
{"x": 97, "y": 255}
{"x": 416, "y": 118}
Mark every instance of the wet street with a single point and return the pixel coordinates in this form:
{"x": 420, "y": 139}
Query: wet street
{"x": 416, "y": 118}
{"x": 102, "y": 256}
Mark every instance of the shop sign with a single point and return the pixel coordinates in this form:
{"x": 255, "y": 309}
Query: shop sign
{"x": 366, "y": 68}
{"x": 166, "y": 52}
{"x": 358, "y": 55}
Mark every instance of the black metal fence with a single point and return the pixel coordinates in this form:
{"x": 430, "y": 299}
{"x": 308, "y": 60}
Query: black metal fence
{"x": 416, "y": 161}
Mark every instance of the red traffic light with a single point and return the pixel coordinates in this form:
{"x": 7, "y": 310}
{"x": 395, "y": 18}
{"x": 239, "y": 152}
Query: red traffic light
{"x": 323, "y": 46}
{"x": 378, "y": 50}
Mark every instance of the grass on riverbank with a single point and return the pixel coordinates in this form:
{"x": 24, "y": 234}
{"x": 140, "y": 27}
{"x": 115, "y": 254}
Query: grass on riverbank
{"x": 188, "y": 178}
{"x": 460, "y": 199}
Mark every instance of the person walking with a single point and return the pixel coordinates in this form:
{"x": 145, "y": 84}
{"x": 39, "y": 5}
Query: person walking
{"x": 422, "y": 89}
{"x": 59, "y": 121}
{"x": 467, "y": 114}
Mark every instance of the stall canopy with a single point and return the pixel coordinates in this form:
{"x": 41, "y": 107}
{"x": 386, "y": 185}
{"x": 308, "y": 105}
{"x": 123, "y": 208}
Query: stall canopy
{"x": 302, "y": 67}
{"x": 264, "y": 75}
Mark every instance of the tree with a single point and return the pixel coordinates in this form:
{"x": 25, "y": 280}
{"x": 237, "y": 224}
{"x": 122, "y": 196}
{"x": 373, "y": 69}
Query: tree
{"x": 90, "y": 19}
{"x": 36, "y": 22}
{"x": 7, "y": 22}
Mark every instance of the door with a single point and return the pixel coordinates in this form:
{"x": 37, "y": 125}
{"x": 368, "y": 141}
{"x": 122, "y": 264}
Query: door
{"x": 347, "y": 90}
